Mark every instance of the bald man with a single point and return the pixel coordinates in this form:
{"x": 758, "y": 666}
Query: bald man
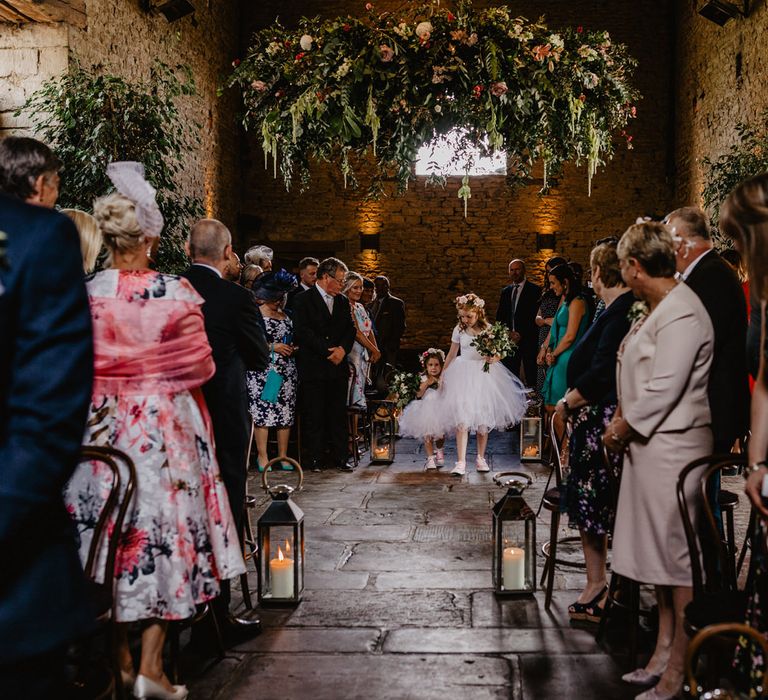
{"x": 236, "y": 334}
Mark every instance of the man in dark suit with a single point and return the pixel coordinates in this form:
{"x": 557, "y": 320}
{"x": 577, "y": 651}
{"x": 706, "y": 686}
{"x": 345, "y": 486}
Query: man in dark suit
{"x": 518, "y": 304}
{"x": 307, "y": 279}
{"x": 388, "y": 316}
{"x": 324, "y": 333}
{"x": 46, "y": 371}
{"x": 236, "y": 333}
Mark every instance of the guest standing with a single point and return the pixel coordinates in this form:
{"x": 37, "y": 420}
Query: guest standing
{"x": 388, "y": 316}
{"x": 589, "y": 495}
{"x": 518, "y": 304}
{"x": 260, "y": 255}
{"x": 324, "y": 332}
{"x": 548, "y": 305}
{"x": 46, "y": 369}
{"x": 568, "y": 326}
{"x": 29, "y": 171}
{"x": 151, "y": 358}
{"x": 744, "y": 218}
{"x": 270, "y": 290}
{"x": 364, "y": 352}
{"x": 663, "y": 422}
{"x": 235, "y": 331}
{"x": 307, "y": 279}
{"x": 90, "y": 237}
{"x": 249, "y": 275}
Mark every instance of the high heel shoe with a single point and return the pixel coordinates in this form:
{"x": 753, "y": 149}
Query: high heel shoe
{"x": 641, "y": 677}
{"x": 147, "y": 688}
{"x": 128, "y": 679}
{"x": 654, "y": 694}
{"x": 587, "y": 611}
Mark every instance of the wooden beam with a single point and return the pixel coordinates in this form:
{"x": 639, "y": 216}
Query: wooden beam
{"x": 70, "y": 11}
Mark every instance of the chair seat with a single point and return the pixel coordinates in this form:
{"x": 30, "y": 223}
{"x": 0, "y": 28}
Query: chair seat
{"x": 715, "y": 608}
{"x": 551, "y": 499}
{"x": 728, "y": 499}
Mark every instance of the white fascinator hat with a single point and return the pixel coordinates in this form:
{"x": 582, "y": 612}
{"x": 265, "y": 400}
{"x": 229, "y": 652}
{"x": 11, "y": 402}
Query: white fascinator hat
{"x": 128, "y": 178}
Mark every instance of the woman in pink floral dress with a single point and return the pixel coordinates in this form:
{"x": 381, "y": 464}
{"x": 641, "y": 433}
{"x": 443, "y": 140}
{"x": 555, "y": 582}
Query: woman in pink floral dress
{"x": 151, "y": 358}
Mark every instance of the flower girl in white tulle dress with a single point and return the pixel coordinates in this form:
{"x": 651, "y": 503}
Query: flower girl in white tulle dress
{"x": 473, "y": 400}
{"x": 420, "y": 418}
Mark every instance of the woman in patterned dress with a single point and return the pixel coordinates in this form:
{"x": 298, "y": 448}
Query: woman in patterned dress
{"x": 151, "y": 358}
{"x": 590, "y": 402}
{"x": 270, "y": 290}
{"x": 364, "y": 351}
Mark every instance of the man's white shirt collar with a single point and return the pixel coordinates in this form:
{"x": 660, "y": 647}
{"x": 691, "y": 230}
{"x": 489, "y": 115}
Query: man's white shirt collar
{"x": 209, "y": 267}
{"x": 688, "y": 270}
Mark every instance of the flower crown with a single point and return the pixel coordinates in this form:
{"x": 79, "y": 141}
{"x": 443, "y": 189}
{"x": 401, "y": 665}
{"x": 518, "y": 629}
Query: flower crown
{"x": 470, "y": 300}
{"x": 431, "y": 352}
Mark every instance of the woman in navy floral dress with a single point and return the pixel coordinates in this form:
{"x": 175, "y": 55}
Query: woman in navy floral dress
{"x": 590, "y": 403}
{"x": 270, "y": 290}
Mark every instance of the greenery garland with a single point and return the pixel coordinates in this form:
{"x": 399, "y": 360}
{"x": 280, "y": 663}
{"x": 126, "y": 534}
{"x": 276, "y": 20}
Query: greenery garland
{"x": 385, "y": 84}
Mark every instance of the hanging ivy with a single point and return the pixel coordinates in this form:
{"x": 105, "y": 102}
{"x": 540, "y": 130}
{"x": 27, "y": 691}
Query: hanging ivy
{"x": 385, "y": 84}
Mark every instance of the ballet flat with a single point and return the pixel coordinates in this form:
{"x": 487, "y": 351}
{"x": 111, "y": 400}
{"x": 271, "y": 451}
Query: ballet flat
{"x": 147, "y": 688}
{"x": 641, "y": 677}
{"x": 481, "y": 465}
{"x": 460, "y": 469}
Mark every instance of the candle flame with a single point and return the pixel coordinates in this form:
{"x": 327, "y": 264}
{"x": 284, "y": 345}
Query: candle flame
{"x": 287, "y": 548}
{"x": 280, "y": 553}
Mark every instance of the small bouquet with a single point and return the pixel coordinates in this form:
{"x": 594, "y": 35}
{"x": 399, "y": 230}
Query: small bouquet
{"x": 637, "y": 311}
{"x": 492, "y": 342}
{"x": 404, "y": 387}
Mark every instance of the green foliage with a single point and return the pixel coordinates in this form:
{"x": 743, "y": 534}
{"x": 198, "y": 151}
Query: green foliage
{"x": 386, "y": 83}
{"x": 745, "y": 158}
{"x": 91, "y": 118}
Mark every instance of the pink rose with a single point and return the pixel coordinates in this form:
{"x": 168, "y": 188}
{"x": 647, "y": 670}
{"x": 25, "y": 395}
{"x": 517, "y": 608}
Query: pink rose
{"x": 368, "y": 6}
{"x": 387, "y": 54}
{"x": 259, "y": 85}
{"x": 498, "y": 89}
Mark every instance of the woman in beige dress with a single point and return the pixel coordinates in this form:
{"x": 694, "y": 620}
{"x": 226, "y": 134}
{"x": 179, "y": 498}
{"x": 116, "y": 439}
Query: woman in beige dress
{"x": 662, "y": 424}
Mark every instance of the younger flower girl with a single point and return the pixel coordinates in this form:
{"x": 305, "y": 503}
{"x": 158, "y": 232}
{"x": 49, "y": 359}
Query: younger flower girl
{"x": 419, "y": 418}
{"x": 474, "y": 401}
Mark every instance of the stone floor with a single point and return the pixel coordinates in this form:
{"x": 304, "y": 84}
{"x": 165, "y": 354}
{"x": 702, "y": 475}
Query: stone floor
{"x": 398, "y": 601}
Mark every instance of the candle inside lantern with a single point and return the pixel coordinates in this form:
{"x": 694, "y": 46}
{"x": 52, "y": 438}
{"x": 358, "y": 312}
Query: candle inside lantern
{"x": 281, "y": 574}
{"x": 513, "y": 568}
{"x": 381, "y": 451}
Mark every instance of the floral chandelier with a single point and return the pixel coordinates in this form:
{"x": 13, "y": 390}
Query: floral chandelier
{"x": 385, "y": 84}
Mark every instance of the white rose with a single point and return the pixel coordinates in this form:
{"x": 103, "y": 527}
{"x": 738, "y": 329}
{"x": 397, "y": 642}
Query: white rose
{"x": 424, "y": 30}
{"x": 438, "y": 109}
{"x": 306, "y": 42}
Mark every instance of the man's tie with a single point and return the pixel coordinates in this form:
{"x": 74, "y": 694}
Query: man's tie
{"x": 329, "y": 304}
{"x": 515, "y": 289}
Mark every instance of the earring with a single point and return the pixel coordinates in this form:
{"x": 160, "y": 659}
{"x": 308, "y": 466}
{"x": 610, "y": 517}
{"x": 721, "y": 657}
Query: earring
{"x": 149, "y": 253}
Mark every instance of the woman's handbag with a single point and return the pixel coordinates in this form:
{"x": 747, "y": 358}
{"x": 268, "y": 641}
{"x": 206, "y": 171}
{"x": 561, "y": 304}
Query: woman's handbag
{"x": 272, "y": 385}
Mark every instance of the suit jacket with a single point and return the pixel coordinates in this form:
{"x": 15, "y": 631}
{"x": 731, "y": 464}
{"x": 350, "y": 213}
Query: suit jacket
{"x": 663, "y": 369}
{"x": 315, "y": 330}
{"x": 525, "y": 311}
{"x": 236, "y": 333}
{"x": 46, "y": 373}
{"x": 723, "y": 297}
{"x": 389, "y": 320}
{"x": 291, "y": 299}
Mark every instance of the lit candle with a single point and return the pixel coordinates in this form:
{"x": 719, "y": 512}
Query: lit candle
{"x": 513, "y": 568}
{"x": 281, "y": 574}
{"x": 381, "y": 451}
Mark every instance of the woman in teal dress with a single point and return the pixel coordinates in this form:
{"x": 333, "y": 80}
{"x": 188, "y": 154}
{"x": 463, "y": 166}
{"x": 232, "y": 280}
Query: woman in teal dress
{"x": 570, "y": 323}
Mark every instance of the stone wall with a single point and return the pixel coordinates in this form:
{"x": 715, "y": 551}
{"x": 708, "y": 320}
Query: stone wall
{"x": 126, "y": 40}
{"x": 721, "y": 76}
{"x": 427, "y": 247}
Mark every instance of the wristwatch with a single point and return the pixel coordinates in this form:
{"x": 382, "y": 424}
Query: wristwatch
{"x": 755, "y": 467}
{"x": 565, "y": 405}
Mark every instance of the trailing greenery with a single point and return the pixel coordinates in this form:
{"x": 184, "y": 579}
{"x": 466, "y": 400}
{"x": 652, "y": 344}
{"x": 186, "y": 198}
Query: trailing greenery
{"x": 747, "y": 157}
{"x": 385, "y": 84}
{"x": 91, "y": 118}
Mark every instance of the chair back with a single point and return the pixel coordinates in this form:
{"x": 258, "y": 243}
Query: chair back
{"x": 711, "y": 567}
{"x": 558, "y": 438}
{"x": 114, "y": 460}
{"x": 692, "y": 687}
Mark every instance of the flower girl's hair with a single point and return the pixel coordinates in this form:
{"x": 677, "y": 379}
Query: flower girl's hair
{"x": 472, "y": 302}
{"x": 438, "y": 354}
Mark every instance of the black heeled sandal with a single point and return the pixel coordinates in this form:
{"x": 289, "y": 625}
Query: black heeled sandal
{"x": 587, "y": 611}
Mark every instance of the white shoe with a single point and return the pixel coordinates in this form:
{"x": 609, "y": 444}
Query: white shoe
{"x": 439, "y": 458}
{"x": 430, "y": 463}
{"x": 147, "y": 688}
{"x": 482, "y": 465}
{"x": 460, "y": 469}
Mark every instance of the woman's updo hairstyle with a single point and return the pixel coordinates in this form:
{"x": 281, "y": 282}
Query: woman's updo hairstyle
{"x": 651, "y": 244}
{"x": 117, "y": 220}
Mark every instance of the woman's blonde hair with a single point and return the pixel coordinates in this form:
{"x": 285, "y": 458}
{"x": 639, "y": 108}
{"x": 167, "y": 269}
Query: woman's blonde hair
{"x": 349, "y": 281}
{"x": 90, "y": 236}
{"x": 650, "y": 243}
{"x": 117, "y": 220}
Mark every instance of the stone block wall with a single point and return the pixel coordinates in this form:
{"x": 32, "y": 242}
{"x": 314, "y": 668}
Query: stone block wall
{"x": 427, "y": 247}
{"x": 721, "y": 77}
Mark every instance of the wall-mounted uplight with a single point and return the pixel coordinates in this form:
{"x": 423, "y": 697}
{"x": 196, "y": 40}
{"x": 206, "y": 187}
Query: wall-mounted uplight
{"x": 721, "y": 11}
{"x": 545, "y": 241}
{"x": 369, "y": 241}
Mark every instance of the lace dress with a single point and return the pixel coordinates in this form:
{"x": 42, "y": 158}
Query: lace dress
{"x": 151, "y": 357}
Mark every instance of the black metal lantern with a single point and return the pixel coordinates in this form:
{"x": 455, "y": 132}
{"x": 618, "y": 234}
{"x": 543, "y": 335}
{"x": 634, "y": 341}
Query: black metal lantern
{"x": 383, "y": 431}
{"x": 280, "y": 533}
{"x": 514, "y": 537}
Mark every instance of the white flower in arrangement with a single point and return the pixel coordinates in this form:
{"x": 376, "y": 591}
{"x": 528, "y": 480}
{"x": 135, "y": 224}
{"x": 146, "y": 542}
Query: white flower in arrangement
{"x": 403, "y": 30}
{"x": 591, "y": 80}
{"x": 273, "y": 48}
{"x": 472, "y": 39}
{"x": 306, "y": 42}
{"x": 438, "y": 108}
{"x": 556, "y": 40}
{"x": 424, "y": 30}
{"x": 587, "y": 51}
{"x": 344, "y": 68}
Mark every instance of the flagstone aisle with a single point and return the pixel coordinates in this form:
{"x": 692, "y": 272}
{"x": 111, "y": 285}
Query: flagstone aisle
{"x": 398, "y": 601}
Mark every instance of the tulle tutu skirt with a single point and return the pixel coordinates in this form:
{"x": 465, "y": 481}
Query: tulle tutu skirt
{"x": 421, "y": 418}
{"x": 477, "y": 401}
